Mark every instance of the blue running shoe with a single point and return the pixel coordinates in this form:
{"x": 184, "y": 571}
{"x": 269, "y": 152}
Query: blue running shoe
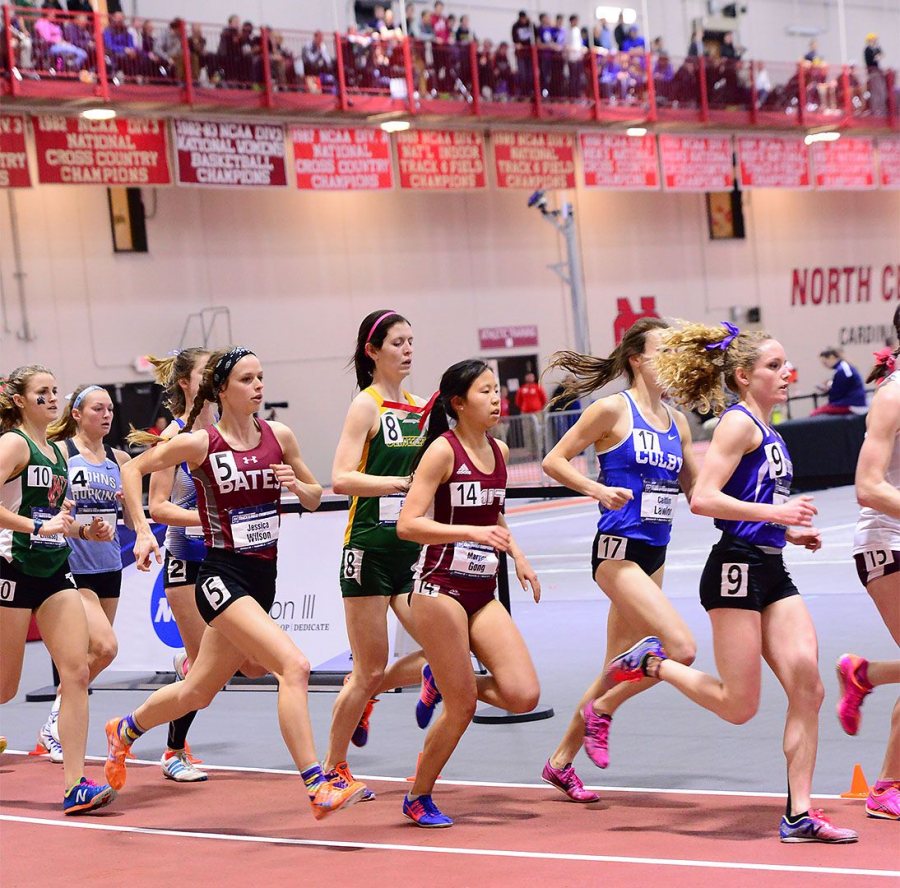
{"x": 429, "y": 697}
{"x": 87, "y": 796}
{"x": 631, "y": 665}
{"x": 425, "y": 813}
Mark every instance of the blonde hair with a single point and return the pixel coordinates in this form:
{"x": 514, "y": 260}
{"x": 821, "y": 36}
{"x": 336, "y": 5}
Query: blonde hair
{"x": 590, "y": 373}
{"x": 15, "y": 384}
{"x": 694, "y": 369}
{"x": 66, "y": 426}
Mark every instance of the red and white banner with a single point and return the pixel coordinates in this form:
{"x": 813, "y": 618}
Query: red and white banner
{"x": 889, "y": 163}
{"x": 332, "y": 158}
{"x": 14, "y": 171}
{"x": 123, "y": 151}
{"x": 441, "y": 160}
{"x": 847, "y": 164}
{"x": 508, "y": 337}
{"x": 773, "y": 162}
{"x": 697, "y": 163}
{"x": 230, "y": 154}
{"x": 617, "y": 161}
{"x": 534, "y": 159}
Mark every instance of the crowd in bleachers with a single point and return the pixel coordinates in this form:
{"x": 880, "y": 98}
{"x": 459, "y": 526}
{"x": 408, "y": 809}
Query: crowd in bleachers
{"x": 557, "y": 58}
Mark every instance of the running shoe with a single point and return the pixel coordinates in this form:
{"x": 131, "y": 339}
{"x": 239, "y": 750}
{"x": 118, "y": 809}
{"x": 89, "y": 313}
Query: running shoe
{"x": 178, "y": 766}
{"x": 53, "y": 723}
{"x": 596, "y": 735}
{"x": 2, "y": 745}
{"x": 335, "y": 793}
{"x": 182, "y": 665}
{"x": 884, "y": 800}
{"x": 51, "y": 744}
{"x": 429, "y": 697}
{"x": 568, "y": 783}
{"x": 87, "y": 796}
{"x": 361, "y": 734}
{"x": 852, "y": 693}
{"x": 631, "y": 666}
{"x": 425, "y": 813}
{"x": 341, "y": 771}
{"x": 116, "y": 751}
{"x": 815, "y": 827}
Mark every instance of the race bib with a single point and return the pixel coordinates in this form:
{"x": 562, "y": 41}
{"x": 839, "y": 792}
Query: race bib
{"x": 7, "y": 590}
{"x": 465, "y": 493}
{"x": 85, "y": 513}
{"x": 194, "y": 533}
{"x": 611, "y": 547}
{"x": 254, "y": 527}
{"x": 474, "y": 560}
{"x": 779, "y": 464}
{"x": 735, "y": 580}
{"x": 40, "y": 476}
{"x": 876, "y": 559}
{"x": 658, "y": 501}
{"x": 56, "y": 541}
{"x": 389, "y": 508}
{"x": 423, "y": 587}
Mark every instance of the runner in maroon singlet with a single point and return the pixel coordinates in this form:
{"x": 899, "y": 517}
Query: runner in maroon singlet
{"x": 239, "y": 466}
{"x": 454, "y": 508}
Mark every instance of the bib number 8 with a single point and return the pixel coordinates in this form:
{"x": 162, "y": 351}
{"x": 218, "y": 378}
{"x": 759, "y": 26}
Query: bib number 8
{"x": 393, "y": 434}
{"x": 353, "y": 559}
{"x": 735, "y": 580}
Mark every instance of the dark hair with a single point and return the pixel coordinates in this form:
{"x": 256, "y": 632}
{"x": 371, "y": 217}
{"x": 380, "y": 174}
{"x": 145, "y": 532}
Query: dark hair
{"x": 372, "y": 331}
{"x": 882, "y": 369}
{"x": 592, "y": 373}
{"x": 830, "y": 352}
{"x": 455, "y": 383}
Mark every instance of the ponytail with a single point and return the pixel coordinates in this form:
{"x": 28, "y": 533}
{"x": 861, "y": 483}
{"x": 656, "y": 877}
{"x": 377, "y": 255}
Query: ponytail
{"x": 438, "y": 423}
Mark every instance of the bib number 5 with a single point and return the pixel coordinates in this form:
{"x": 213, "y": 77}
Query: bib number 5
{"x": 215, "y": 592}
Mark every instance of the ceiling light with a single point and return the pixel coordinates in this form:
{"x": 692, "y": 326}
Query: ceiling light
{"x": 830, "y": 136}
{"x": 98, "y": 114}
{"x": 636, "y": 131}
{"x": 395, "y": 126}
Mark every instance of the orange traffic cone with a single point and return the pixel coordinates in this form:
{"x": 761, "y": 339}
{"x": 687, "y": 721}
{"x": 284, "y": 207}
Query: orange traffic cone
{"x": 859, "y": 788}
{"x": 412, "y": 778}
{"x": 38, "y": 750}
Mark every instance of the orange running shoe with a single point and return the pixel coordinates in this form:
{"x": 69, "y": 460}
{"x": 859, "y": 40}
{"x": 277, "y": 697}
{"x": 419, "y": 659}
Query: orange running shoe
{"x": 342, "y": 770}
{"x": 334, "y": 794}
{"x": 116, "y": 752}
{"x": 361, "y": 732}
{"x": 2, "y": 745}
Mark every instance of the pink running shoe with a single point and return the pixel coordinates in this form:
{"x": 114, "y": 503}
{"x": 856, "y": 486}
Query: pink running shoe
{"x": 568, "y": 783}
{"x": 853, "y": 692}
{"x": 596, "y": 735}
{"x": 815, "y": 827}
{"x": 884, "y": 800}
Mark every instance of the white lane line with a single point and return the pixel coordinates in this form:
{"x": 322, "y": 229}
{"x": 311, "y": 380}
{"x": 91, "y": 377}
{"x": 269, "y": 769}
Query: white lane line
{"x": 465, "y": 852}
{"x": 484, "y": 783}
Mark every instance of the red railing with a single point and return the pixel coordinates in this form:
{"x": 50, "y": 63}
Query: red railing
{"x": 133, "y": 61}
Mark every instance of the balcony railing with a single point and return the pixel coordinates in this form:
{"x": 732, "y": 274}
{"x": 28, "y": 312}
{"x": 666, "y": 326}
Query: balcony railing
{"x": 100, "y": 57}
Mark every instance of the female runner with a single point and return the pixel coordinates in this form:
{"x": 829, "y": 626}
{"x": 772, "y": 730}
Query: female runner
{"x": 96, "y": 488}
{"x": 645, "y": 454}
{"x": 35, "y": 517}
{"x": 239, "y": 465}
{"x": 461, "y": 482}
{"x": 753, "y": 604}
{"x": 372, "y": 465}
{"x": 876, "y": 549}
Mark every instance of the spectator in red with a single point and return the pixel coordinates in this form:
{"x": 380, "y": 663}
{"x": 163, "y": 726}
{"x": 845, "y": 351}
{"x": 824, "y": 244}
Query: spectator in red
{"x": 531, "y": 400}
{"x": 439, "y": 23}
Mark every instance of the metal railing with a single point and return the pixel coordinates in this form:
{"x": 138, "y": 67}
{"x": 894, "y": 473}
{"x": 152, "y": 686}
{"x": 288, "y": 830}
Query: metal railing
{"x": 121, "y": 60}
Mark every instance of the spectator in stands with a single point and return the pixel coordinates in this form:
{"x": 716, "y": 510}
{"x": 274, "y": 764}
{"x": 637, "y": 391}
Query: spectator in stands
{"x": 56, "y": 46}
{"x": 118, "y": 41}
{"x": 763, "y": 83}
{"x": 316, "y": 57}
{"x": 663, "y": 72}
{"x": 451, "y": 28}
{"x": 197, "y": 45}
{"x": 439, "y": 23}
{"x": 872, "y": 53}
{"x": 157, "y": 62}
{"x": 80, "y": 6}
{"x": 391, "y": 28}
{"x": 79, "y": 32}
{"x": 575, "y": 57}
{"x": 729, "y": 50}
{"x": 21, "y": 43}
{"x": 502, "y": 72}
{"x": 846, "y": 391}
{"x": 170, "y": 49}
{"x": 426, "y": 26}
{"x": 523, "y": 36}
{"x": 559, "y": 30}
{"x": 695, "y": 50}
{"x": 602, "y": 37}
{"x": 634, "y": 41}
{"x": 377, "y": 22}
{"x": 813, "y": 54}
{"x": 621, "y": 32}
{"x": 522, "y": 30}
{"x": 464, "y": 33}
{"x": 531, "y": 400}
{"x": 53, "y": 5}
{"x": 544, "y": 30}
{"x": 230, "y": 38}
{"x": 656, "y": 46}
{"x": 877, "y": 85}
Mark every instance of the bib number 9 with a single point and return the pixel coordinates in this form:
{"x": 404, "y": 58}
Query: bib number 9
{"x": 734, "y": 580}
{"x": 777, "y": 461}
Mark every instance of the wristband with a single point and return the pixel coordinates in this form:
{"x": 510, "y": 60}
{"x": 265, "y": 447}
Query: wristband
{"x": 82, "y": 532}
{"x": 38, "y": 524}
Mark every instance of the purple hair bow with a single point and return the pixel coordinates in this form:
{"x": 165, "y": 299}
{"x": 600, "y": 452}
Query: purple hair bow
{"x": 724, "y": 343}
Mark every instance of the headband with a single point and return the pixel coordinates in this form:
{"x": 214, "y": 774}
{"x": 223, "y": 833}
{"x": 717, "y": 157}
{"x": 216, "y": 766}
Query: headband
{"x": 387, "y": 314}
{"x": 225, "y": 365}
{"x": 733, "y": 333}
{"x": 84, "y": 393}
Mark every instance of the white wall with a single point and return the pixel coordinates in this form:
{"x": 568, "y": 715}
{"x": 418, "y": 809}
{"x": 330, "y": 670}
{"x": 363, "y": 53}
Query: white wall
{"x": 762, "y": 30}
{"x": 298, "y": 272}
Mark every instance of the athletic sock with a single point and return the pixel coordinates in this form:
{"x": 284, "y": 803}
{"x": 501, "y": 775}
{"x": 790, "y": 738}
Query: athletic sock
{"x": 411, "y": 796}
{"x": 313, "y": 778}
{"x": 54, "y": 709}
{"x": 178, "y": 730}
{"x": 794, "y": 819}
{"x": 129, "y": 729}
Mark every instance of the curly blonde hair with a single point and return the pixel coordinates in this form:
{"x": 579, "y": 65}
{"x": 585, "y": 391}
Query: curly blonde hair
{"x": 695, "y": 375}
{"x": 15, "y": 384}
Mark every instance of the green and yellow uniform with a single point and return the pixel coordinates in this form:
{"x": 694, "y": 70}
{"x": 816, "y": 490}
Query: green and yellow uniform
{"x": 375, "y": 561}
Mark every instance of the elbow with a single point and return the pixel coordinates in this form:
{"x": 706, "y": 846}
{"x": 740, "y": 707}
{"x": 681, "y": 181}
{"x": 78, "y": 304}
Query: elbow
{"x": 866, "y": 496}
{"x": 155, "y": 515}
{"x": 405, "y": 529}
{"x": 339, "y": 484}
{"x": 699, "y": 504}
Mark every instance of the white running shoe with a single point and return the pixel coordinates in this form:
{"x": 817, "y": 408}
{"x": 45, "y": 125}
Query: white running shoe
{"x": 178, "y": 766}
{"x": 54, "y": 748}
{"x": 182, "y": 665}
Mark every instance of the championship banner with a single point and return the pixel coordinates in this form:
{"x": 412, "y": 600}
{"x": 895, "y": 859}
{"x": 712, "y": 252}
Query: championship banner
{"x": 534, "y": 159}
{"x": 14, "y": 172}
{"x": 773, "y": 162}
{"x": 308, "y": 603}
{"x": 230, "y": 154}
{"x": 331, "y": 158}
{"x": 847, "y": 164}
{"x": 619, "y": 162}
{"x": 889, "y": 163}
{"x": 123, "y": 151}
{"x": 697, "y": 163}
{"x": 441, "y": 160}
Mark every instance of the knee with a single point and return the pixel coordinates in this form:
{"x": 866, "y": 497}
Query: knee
{"x": 523, "y": 699}
{"x": 808, "y": 692}
{"x": 741, "y": 711}
{"x": 105, "y": 650}
{"x": 197, "y": 696}
{"x": 295, "y": 671}
{"x": 74, "y": 678}
{"x": 681, "y": 649}
{"x": 460, "y": 711}
{"x": 369, "y": 679}
{"x": 7, "y": 692}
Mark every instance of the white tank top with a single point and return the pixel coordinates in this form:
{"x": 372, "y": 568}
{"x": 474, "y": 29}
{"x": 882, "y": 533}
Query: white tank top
{"x": 876, "y": 528}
